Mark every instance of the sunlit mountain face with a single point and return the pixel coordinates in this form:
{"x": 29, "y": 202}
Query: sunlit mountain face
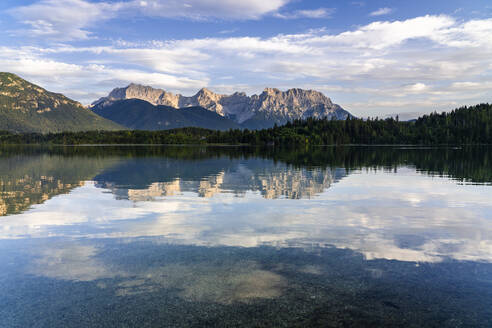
{"x": 214, "y": 230}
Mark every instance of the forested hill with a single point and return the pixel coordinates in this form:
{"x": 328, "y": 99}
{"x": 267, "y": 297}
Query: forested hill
{"x": 26, "y": 107}
{"x": 466, "y": 125}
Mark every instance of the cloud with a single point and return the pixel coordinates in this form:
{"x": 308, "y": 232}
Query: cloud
{"x": 471, "y": 86}
{"x": 416, "y": 88}
{"x": 233, "y": 30}
{"x": 380, "y": 35}
{"x": 69, "y": 20}
{"x": 63, "y": 20}
{"x": 209, "y": 9}
{"x": 404, "y": 63}
{"x": 314, "y": 13}
{"x": 87, "y": 81}
{"x": 381, "y": 12}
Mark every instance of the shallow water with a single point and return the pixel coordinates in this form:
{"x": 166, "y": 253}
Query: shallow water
{"x": 195, "y": 236}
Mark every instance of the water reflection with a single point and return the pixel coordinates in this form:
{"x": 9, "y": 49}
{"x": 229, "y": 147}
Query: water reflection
{"x": 32, "y": 175}
{"x": 126, "y": 279}
{"x": 383, "y": 209}
{"x": 69, "y": 261}
{"x": 396, "y": 214}
{"x": 206, "y": 178}
{"x": 225, "y": 282}
{"x": 244, "y": 236}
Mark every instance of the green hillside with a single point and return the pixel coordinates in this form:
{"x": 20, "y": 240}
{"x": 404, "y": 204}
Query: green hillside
{"x": 141, "y": 115}
{"x": 26, "y": 107}
{"x": 466, "y": 125}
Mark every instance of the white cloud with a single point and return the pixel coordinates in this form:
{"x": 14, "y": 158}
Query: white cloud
{"x": 471, "y": 86}
{"x": 381, "y": 12}
{"x": 83, "y": 81}
{"x": 416, "y": 88}
{"x": 66, "y": 20}
{"x": 63, "y": 20}
{"x": 314, "y": 13}
{"x": 206, "y": 9}
{"x": 380, "y": 35}
{"x": 418, "y": 62}
{"x": 233, "y": 30}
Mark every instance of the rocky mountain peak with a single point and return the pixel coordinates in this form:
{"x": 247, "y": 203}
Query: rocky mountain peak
{"x": 205, "y": 91}
{"x": 272, "y": 105}
{"x": 207, "y": 94}
{"x": 271, "y": 91}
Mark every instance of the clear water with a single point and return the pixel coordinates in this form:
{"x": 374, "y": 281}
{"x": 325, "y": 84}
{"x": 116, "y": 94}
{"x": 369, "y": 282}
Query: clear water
{"x": 196, "y": 237}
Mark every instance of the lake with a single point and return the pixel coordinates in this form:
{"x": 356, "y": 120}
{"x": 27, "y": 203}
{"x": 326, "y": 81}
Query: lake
{"x": 176, "y": 236}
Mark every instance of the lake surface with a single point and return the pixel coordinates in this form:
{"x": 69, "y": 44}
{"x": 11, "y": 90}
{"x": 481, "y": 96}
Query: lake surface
{"x": 225, "y": 237}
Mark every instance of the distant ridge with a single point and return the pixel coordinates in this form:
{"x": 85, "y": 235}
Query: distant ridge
{"x": 26, "y": 107}
{"x": 271, "y": 107}
{"x": 141, "y": 115}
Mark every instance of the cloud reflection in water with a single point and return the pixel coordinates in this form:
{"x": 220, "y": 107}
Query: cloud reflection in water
{"x": 404, "y": 216}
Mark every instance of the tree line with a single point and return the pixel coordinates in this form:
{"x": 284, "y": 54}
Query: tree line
{"x": 465, "y": 125}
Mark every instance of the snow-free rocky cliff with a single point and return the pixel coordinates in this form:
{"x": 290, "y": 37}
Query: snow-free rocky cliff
{"x": 258, "y": 111}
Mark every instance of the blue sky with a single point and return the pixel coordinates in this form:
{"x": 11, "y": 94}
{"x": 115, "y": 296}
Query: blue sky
{"x": 373, "y": 57}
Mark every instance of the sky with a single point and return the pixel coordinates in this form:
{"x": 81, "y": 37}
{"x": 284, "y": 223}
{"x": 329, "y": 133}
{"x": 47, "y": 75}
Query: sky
{"x": 373, "y": 57}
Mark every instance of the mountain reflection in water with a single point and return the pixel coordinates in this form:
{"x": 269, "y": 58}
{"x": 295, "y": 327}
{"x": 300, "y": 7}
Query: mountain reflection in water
{"x": 382, "y": 202}
{"x": 237, "y": 236}
{"x": 32, "y": 175}
{"x": 168, "y": 177}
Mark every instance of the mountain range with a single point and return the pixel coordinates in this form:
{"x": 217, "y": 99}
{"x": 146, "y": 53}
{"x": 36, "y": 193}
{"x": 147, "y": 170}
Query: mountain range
{"x": 26, "y": 107}
{"x": 271, "y": 107}
{"x": 138, "y": 114}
